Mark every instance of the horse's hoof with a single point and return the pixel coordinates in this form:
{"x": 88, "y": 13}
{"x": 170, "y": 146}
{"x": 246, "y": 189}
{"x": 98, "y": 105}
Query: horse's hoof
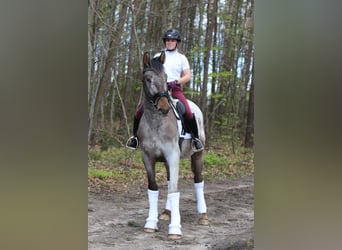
{"x": 166, "y": 215}
{"x": 150, "y": 230}
{"x": 174, "y": 236}
{"x": 203, "y": 220}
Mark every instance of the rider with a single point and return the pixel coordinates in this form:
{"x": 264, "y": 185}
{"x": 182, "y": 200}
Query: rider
{"x": 177, "y": 68}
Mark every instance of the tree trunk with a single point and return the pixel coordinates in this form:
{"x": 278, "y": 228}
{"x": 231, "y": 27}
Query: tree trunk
{"x": 208, "y": 43}
{"x": 249, "y": 138}
{"x": 246, "y": 72}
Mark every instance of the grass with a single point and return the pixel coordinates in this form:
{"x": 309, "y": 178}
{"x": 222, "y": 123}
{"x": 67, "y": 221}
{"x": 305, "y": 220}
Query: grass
{"x": 119, "y": 168}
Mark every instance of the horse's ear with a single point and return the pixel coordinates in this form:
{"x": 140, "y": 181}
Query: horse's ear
{"x": 146, "y": 59}
{"x": 162, "y": 57}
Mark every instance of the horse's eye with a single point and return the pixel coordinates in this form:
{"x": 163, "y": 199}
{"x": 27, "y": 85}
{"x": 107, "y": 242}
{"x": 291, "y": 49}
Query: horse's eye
{"x": 147, "y": 79}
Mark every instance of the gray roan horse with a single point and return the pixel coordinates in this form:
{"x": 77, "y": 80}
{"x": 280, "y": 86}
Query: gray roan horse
{"x": 159, "y": 138}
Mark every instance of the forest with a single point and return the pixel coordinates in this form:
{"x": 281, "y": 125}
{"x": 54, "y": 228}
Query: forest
{"x": 217, "y": 38}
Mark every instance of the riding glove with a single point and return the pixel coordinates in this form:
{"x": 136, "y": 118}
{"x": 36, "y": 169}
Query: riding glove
{"x": 173, "y": 84}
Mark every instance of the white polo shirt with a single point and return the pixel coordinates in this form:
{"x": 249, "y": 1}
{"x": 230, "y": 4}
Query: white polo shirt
{"x": 174, "y": 64}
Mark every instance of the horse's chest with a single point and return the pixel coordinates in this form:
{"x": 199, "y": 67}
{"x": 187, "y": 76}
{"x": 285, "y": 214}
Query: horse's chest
{"x": 156, "y": 145}
{"x": 158, "y": 136}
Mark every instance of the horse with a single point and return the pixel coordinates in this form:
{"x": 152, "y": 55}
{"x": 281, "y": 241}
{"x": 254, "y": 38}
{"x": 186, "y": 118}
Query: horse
{"x": 159, "y": 141}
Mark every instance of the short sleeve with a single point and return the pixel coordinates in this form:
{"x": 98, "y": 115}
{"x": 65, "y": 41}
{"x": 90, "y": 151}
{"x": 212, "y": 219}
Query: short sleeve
{"x": 185, "y": 63}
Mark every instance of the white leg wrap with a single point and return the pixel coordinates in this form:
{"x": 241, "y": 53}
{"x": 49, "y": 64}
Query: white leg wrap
{"x": 167, "y": 204}
{"x": 175, "y": 225}
{"x": 201, "y": 206}
{"x": 152, "y": 220}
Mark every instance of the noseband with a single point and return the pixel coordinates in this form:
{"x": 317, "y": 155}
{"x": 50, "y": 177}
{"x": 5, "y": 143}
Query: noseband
{"x": 156, "y": 98}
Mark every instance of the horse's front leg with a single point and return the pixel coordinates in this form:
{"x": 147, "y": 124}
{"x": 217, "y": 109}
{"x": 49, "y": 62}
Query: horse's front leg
{"x": 151, "y": 224}
{"x": 173, "y": 196}
{"x": 197, "y": 168}
{"x": 166, "y": 214}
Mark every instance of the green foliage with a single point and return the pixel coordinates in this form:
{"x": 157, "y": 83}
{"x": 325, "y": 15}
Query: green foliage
{"x": 107, "y": 139}
{"x": 212, "y": 159}
{"x": 216, "y": 96}
{"x": 94, "y": 155}
{"x": 223, "y": 74}
{"x": 101, "y": 174}
{"x": 108, "y": 158}
{"x": 119, "y": 167}
{"x": 197, "y": 49}
{"x": 228, "y": 164}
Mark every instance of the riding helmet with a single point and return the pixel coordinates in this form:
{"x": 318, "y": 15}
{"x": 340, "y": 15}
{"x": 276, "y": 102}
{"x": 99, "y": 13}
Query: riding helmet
{"x": 172, "y": 34}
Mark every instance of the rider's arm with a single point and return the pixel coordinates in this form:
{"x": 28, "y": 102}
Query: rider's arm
{"x": 185, "y": 77}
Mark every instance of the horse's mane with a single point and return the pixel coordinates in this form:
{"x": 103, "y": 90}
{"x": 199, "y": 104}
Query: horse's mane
{"x": 157, "y": 65}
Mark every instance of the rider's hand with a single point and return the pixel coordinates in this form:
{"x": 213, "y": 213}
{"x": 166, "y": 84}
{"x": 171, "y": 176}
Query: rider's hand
{"x": 173, "y": 84}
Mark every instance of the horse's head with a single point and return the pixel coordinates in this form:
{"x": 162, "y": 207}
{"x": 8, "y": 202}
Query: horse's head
{"x": 154, "y": 82}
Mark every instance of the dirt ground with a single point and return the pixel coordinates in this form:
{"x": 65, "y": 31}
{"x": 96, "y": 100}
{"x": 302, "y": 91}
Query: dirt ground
{"x": 116, "y": 220}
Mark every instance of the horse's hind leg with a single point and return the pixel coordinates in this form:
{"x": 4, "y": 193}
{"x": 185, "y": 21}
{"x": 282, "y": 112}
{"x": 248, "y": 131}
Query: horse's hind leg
{"x": 151, "y": 224}
{"x": 197, "y": 167}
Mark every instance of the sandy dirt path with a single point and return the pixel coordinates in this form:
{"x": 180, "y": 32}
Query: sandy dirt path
{"x": 116, "y": 220}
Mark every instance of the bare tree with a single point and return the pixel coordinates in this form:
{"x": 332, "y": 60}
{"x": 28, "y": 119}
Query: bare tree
{"x": 249, "y": 138}
{"x": 217, "y": 39}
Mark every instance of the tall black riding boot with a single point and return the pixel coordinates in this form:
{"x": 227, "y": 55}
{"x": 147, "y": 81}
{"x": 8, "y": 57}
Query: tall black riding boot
{"x": 133, "y": 142}
{"x": 192, "y": 126}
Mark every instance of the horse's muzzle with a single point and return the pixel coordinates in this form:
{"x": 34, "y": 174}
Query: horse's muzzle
{"x": 161, "y": 102}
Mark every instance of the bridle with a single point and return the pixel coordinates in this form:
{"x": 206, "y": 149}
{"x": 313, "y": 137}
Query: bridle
{"x": 155, "y": 98}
